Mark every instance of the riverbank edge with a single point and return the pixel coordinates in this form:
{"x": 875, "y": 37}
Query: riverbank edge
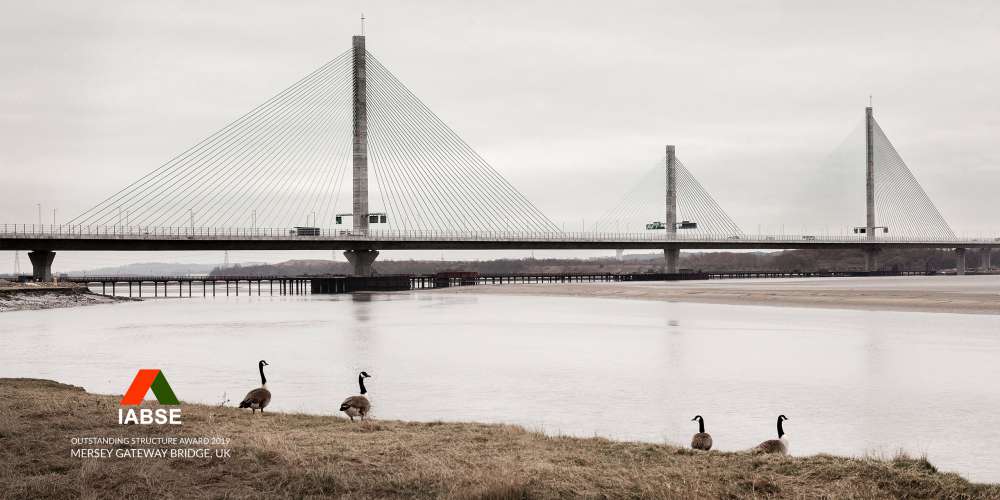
{"x": 25, "y": 298}
{"x": 295, "y": 455}
{"x": 854, "y": 299}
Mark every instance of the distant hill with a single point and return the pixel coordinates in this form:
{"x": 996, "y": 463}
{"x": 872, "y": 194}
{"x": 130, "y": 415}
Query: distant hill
{"x": 150, "y": 269}
{"x": 792, "y": 260}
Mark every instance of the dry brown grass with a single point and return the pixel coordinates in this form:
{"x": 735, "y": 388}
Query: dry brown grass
{"x": 289, "y": 455}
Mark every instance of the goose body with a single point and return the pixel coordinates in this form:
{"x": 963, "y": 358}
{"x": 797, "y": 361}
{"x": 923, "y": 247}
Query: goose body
{"x": 258, "y": 398}
{"x": 777, "y": 446}
{"x": 357, "y": 406}
{"x": 701, "y": 440}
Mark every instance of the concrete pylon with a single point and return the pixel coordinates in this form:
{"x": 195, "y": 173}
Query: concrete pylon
{"x": 871, "y": 254}
{"x": 869, "y": 174}
{"x": 41, "y": 264}
{"x": 985, "y": 264}
{"x": 671, "y": 254}
{"x": 362, "y": 261}
{"x": 960, "y": 262}
{"x": 360, "y": 144}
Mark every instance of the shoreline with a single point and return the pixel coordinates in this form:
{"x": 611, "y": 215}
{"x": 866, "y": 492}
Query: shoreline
{"x": 806, "y": 293}
{"x": 33, "y": 297}
{"x": 295, "y": 455}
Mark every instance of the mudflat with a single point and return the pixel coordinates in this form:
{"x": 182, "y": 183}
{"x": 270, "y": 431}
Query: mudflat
{"x": 942, "y": 294}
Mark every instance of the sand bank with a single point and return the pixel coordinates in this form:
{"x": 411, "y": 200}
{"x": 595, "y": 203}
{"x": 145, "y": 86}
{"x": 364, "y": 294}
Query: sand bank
{"x": 30, "y": 296}
{"x": 943, "y": 294}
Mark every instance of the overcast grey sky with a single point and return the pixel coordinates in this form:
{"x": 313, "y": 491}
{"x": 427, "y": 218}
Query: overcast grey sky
{"x": 571, "y": 101}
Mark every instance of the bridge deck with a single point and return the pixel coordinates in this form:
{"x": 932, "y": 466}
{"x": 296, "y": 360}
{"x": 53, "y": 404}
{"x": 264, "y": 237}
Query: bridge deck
{"x": 26, "y": 237}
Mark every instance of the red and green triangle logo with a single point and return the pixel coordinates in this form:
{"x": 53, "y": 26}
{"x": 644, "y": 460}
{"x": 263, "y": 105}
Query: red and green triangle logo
{"x": 145, "y": 380}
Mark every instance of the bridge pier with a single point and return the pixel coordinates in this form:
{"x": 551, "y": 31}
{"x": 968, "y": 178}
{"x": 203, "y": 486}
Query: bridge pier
{"x": 41, "y": 264}
{"x": 960, "y": 261}
{"x": 985, "y": 265}
{"x": 361, "y": 261}
{"x": 871, "y": 259}
{"x": 671, "y": 260}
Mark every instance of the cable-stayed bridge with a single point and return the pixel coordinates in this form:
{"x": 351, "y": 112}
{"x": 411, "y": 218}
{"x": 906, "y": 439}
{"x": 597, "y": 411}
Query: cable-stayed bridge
{"x": 274, "y": 179}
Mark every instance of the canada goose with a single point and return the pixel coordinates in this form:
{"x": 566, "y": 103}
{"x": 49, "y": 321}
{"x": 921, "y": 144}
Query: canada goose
{"x": 357, "y": 406}
{"x": 702, "y": 440}
{"x": 258, "y": 398}
{"x": 779, "y": 445}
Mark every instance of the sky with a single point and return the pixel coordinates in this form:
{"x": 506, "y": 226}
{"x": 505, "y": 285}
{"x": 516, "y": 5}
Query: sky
{"x": 571, "y": 101}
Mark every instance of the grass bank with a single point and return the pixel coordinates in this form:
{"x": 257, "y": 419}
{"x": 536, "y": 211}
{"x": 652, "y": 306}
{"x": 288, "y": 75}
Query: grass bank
{"x": 291, "y": 455}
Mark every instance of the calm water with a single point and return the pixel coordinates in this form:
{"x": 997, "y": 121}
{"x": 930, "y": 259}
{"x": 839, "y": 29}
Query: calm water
{"x": 852, "y": 382}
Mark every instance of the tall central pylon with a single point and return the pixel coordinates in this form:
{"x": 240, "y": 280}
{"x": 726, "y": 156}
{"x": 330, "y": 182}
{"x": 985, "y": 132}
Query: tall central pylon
{"x": 671, "y": 254}
{"x": 871, "y": 254}
{"x": 360, "y": 144}
{"x": 361, "y": 260}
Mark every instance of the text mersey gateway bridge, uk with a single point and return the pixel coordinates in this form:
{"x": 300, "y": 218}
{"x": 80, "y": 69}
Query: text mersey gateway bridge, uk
{"x": 271, "y": 180}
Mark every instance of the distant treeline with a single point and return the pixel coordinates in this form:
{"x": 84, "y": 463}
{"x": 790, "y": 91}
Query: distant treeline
{"x": 791, "y": 260}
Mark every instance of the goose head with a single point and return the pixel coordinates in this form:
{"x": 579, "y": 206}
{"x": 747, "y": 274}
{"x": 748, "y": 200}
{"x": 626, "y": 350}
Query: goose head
{"x": 781, "y": 430}
{"x": 364, "y": 374}
{"x": 701, "y": 422}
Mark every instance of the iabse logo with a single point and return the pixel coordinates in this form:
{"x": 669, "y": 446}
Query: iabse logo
{"x": 149, "y": 379}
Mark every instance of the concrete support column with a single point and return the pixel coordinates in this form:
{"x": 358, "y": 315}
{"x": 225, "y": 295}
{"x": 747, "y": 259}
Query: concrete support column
{"x": 871, "y": 259}
{"x": 869, "y": 175}
{"x": 960, "y": 263}
{"x": 985, "y": 263}
{"x": 362, "y": 261}
{"x": 41, "y": 264}
{"x": 671, "y": 255}
{"x": 360, "y": 145}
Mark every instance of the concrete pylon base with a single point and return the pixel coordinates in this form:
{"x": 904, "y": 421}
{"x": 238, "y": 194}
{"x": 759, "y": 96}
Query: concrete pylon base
{"x": 671, "y": 260}
{"x": 960, "y": 263}
{"x": 41, "y": 264}
{"x": 871, "y": 259}
{"x": 985, "y": 264}
{"x": 362, "y": 261}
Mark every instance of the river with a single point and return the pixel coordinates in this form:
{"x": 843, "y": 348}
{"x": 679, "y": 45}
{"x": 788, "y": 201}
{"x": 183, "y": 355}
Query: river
{"x": 851, "y": 382}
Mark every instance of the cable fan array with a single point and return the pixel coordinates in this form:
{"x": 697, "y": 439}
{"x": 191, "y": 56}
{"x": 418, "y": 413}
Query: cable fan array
{"x": 272, "y": 166}
{"x": 428, "y": 175}
{"x": 285, "y": 163}
{"x": 646, "y": 203}
{"x": 901, "y": 204}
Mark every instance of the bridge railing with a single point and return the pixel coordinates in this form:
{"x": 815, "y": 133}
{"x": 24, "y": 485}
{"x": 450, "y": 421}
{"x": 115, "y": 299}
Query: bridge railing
{"x": 63, "y": 231}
